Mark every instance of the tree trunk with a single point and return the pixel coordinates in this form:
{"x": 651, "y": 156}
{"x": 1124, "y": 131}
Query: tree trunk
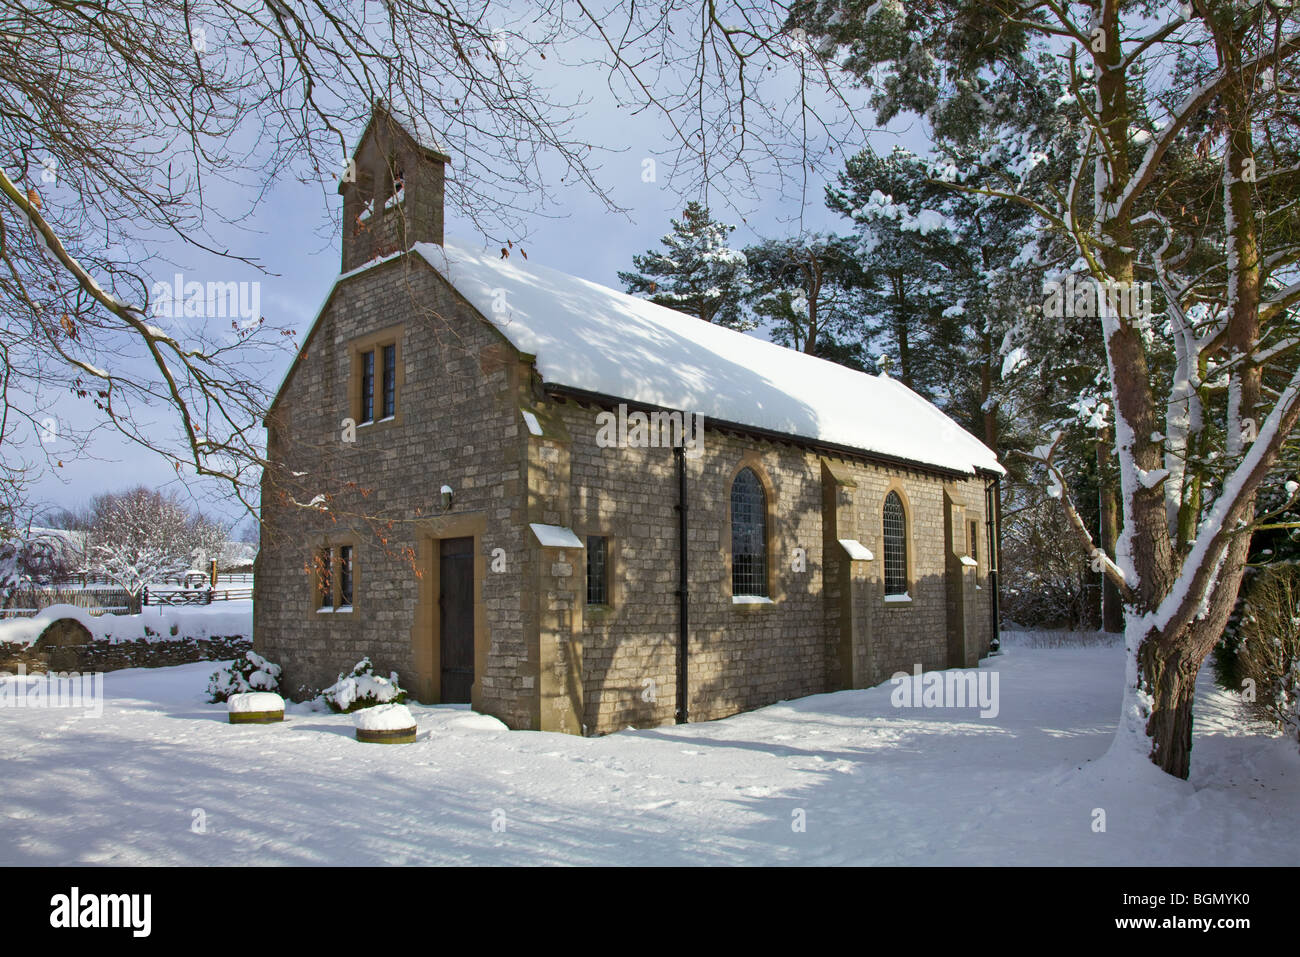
{"x": 1168, "y": 664}
{"x": 1171, "y": 682}
{"x": 1112, "y": 608}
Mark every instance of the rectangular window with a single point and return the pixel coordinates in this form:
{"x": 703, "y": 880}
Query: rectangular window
{"x": 597, "y": 570}
{"x": 345, "y": 574}
{"x": 368, "y": 386}
{"x": 974, "y": 550}
{"x": 324, "y": 586}
{"x": 390, "y": 381}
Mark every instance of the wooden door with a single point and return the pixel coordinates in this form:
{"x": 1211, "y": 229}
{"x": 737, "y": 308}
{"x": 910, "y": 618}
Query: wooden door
{"x": 456, "y": 618}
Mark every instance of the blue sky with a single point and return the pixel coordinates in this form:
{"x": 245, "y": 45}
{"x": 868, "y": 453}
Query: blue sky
{"x": 292, "y": 235}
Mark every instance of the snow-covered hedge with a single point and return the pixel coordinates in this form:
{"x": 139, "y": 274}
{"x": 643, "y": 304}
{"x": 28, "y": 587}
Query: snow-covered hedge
{"x": 363, "y": 689}
{"x": 249, "y": 673}
{"x": 1268, "y": 650}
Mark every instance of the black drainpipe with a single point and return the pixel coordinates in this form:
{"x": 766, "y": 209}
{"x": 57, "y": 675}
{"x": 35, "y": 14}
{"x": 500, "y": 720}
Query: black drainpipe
{"x": 679, "y": 453}
{"x": 995, "y": 564}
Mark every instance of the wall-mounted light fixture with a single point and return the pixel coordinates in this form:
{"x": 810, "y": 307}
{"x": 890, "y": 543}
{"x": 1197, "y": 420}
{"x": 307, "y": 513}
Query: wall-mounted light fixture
{"x": 446, "y": 498}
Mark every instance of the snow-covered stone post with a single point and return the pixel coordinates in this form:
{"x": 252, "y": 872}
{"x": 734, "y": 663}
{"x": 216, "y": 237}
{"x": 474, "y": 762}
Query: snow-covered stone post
{"x": 559, "y": 591}
{"x": 962, "y": 581}
{"x": 560, "y": 600}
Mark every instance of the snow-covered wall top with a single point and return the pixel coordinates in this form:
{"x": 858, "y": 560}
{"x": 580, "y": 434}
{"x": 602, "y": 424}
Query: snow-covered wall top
{"x": 590, "y": 337}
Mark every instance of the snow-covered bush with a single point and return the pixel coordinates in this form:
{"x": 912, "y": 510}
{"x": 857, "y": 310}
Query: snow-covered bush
{"x": 249, "y": 673}
{"x": 31, "y": 555}
{"x": 1269, "y": 650}
{"x": 362, "y": 689}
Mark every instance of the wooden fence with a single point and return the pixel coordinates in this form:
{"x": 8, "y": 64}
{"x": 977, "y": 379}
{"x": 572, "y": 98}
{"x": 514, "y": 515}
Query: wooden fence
{"x": 189, "y": 580}
{"x": 98, "y": 599}
{"x": 193, "y": 596}
{"x": 29, "y": 600}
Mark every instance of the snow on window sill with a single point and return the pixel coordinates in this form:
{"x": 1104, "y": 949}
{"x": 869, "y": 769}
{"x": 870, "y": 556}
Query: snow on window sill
{"x": 904, "y": 598}
{"x": 326, "y": 610}
{"x": 751, "y": 600}
{"x": 967, "y": 560}
{"x": 530, "y": 420}
{"x": 343, "y": 610}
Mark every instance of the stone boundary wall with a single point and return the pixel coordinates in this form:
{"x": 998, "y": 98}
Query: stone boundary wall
{"x": 101, "y": 655}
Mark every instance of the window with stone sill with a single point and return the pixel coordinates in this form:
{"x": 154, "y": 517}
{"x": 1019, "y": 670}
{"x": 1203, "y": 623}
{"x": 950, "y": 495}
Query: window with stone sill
{"x": 376, "y": 375}
{"x": 895, "y": 541}
{"x": 748, "y": 536}
{"x": 334, "y": 572}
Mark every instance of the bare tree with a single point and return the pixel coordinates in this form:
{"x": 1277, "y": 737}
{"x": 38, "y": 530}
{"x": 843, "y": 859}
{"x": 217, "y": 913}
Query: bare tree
{"x": 119, "y": 121}
{"x": 139, "y": 537}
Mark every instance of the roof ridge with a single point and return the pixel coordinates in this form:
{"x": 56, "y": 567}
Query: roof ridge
{"x": 662, "y": 357}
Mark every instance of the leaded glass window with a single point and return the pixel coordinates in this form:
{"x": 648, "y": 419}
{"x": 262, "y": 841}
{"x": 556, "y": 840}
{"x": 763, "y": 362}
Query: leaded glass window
{"x": 345, "y": 574}
{"x": 324, "y": 587}
{"x": 895, "y": 521}
{"x": 368, "y": 386}
{"x": 748, "y": 535}
{"x": 390, "y": 381}
{"x": 597, "y": 570}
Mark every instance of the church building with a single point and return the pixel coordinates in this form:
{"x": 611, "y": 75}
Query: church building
{"x": 579, "y": 511}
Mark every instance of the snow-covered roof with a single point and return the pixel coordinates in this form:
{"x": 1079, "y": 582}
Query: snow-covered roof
{"x": 591, "y": 338}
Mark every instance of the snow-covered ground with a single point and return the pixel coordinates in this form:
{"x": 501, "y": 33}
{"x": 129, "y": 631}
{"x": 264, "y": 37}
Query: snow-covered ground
{"x": 872, "y": 783}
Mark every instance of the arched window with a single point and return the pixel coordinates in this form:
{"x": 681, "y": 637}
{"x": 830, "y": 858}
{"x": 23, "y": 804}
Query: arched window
{"x": 748, "y": 535}
{"x": 895, "y": 546}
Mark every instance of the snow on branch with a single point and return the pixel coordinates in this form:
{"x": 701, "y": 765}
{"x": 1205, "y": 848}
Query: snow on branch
{"x": 1225, "y": 519}
{"x": 1181, "y": 116}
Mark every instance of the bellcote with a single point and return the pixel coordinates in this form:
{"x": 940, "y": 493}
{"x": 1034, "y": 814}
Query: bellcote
{"x": 392, "y": 189}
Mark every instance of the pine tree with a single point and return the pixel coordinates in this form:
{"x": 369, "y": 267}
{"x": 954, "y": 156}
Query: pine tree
{"x": 808, "y": 291}
{"x": 908, "y": 263}
{"x": 1187, "y": 186}
{"x": 696, "y": 272}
